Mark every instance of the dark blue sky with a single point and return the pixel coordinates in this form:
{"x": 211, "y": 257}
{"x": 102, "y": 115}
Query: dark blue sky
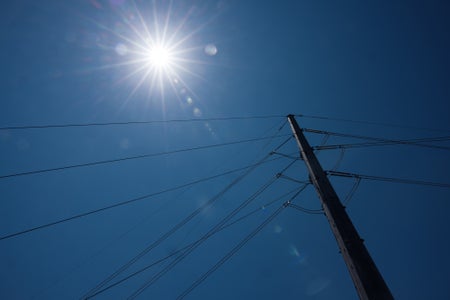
{"x": 71, "y": 62}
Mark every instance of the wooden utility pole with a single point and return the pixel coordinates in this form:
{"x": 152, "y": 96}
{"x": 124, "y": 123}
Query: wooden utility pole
{"x": 367, "y": 279}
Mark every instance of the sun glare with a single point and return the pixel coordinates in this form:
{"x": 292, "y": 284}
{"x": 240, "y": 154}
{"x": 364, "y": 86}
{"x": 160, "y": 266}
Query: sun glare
{"x": 159, "y": 57}
{"x": 157, "y": 52}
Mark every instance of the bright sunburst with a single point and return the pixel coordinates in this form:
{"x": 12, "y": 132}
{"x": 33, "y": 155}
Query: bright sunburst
{"x": 160, "y": 57}
{"x": 156, "y": 52}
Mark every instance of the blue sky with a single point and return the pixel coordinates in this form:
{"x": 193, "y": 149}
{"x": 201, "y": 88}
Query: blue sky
{"x": 74, "y": 62}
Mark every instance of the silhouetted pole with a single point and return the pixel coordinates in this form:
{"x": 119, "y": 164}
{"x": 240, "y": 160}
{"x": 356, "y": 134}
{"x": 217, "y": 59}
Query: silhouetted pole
{"x": 367, "y": 279}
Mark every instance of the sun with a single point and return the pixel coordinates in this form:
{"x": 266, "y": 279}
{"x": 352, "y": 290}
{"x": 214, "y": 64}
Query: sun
{"x": 160, "y": 57}
{"x": 156, "y": 55}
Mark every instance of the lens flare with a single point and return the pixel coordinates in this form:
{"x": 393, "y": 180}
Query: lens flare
{"x": 155, "y": 51}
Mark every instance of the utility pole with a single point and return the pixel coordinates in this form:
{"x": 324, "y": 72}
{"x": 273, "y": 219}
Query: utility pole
{"x": 367, "y": 279}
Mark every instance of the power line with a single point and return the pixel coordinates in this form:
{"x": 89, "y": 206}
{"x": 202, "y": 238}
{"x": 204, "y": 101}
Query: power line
{"x": 388, "y": 179}
{"x": 191, "y": 244}
{"x": 371, "y": 123}
{"x": 191, "y": 186}
{"x": 264, "y": 206}
{"x": 81, "y": 215}
{"x": 381, "y": 140}
{"x": 410, "y": 142}
{"x": 236, "y": 248}
{"x": 290, "y": 156}
{"x": 352, "y": 192}
{"x": 339, "y": 160}
{"x": 174, "y": 229}
{"x": 231, "y": 253}
{"x": 307, "y": 210}
{"x": 303, "y": 209}
{"x": 220, "y": 224}
{"x": 47, "y": 126}
{"x": 294, "y": 180}
{"x": 101, "y": 162}
{"x": 274, "y": 135}
{"x": 179, "y": 258}
{"x": 166, "y": 235}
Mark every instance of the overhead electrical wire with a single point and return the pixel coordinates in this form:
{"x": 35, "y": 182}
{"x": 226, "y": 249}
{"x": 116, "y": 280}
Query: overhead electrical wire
{"x": 260, "y": 227}
{"x": 47, "y": 126}
{"x": 231, "y": 253}
{"x": 334, "y": 173}
{"x": 283, "y": 124}
{"x": 337, "y": 164}
{"x": 410, "y": 142}
{"x": 324, "y": 139}
{"x": 180, "y": 257}
{"x": 306, "y": 210}
{"x": 388, "y": 179}
{"x": 235, "y": 249}
{"x": 166, "y": 235}
{"x": 220, "y": 224}
{"x": 294, "y": 180}
{"x": 273, "y": 135}
{"x": 352, "y": 192}
{"x": 101, "y": 162}
{"x": 381, "y": 140}
{"x": 176, "y": 227}
{"x": 91, "y": 124}
{"x": 371, "y": 123}
{"x": 303, "y": 209}
{"x": 263, "y": 207}
{"x": 126, "y": 202}
{"x": 286, "y": 155}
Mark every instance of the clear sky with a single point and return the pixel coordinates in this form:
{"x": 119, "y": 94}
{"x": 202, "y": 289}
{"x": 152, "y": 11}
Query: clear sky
{"x": 99, "y": 61}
